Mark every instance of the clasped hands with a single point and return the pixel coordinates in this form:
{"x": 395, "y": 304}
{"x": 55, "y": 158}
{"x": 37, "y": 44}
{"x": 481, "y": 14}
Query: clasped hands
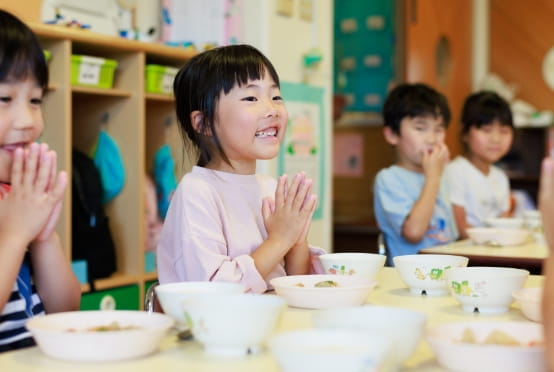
{"x": 30, "y": 211}
{"x": 287, "y": 218}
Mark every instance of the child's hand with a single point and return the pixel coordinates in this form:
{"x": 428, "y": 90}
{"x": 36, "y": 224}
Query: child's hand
{"x": 435, "y": 160}
{"x": 30, "y": 206}
{"x": 546, "y": 200}
{"x": 287, "y": 218}
{"x": 55, "y": 178}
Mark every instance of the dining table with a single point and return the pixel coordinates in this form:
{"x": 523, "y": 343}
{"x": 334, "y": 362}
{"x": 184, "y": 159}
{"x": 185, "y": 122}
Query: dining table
{"x": 188, "y": 355}
{"x": 529, "y": 256}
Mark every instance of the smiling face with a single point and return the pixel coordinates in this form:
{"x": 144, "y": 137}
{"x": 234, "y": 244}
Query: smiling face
{"x": 250, "y": 124}
{"x": 418, "y": 135}
{"x": 21, "y": 121}
{"x": 488, "y": 144}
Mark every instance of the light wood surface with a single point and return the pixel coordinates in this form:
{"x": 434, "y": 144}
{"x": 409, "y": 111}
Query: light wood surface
{"x": 528, "y": 256}
{"x": 74, "y": 115}
{"x": 189, "y": 356}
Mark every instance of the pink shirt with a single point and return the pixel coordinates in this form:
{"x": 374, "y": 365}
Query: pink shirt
{"x": 213, "y": 224}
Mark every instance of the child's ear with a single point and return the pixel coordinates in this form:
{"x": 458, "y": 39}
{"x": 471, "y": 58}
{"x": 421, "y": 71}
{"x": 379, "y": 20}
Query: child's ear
{"x": 196, "y": 119}
{"x": 390, "y": 136}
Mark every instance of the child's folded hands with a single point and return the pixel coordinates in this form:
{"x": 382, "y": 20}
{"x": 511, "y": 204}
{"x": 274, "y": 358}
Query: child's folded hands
{"x": 33, "y": 204}
{"x": 287, "y": 217}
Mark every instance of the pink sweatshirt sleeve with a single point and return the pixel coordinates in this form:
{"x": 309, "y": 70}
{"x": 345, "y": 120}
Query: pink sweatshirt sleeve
{"x": 316, "y": 267}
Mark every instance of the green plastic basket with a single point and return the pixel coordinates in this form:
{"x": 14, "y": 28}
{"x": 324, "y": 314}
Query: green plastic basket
{"x": 159, "y": 79}
{"x": 47, "y": 55}
{"x": 92, "y": 71}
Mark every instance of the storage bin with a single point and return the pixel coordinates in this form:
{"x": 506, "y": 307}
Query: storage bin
{"x": 159, "y": 79}
{"x": 92, "y": 71}
{"x": 47, "y": 55}
{"x": 120, "y": 298}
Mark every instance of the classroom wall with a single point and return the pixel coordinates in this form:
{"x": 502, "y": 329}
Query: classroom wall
{"x": 284, "y": 40}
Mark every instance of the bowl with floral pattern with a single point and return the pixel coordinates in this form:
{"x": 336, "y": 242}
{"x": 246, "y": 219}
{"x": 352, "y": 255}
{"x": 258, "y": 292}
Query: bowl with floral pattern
{"x": 424, "y": 274}
{"x": 353, "y": 263}
{"x": 486, "y": 290}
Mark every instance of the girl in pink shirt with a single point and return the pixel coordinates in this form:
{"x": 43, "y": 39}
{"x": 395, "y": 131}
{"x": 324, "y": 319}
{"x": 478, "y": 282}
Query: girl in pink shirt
{"x": 225, "y": 222}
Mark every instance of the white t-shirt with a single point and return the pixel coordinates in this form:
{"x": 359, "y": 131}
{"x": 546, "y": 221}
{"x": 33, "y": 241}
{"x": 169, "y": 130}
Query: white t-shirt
{"x": 482, "y": 195}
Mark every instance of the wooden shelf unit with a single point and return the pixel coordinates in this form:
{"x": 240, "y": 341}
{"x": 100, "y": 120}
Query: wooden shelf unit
{"x": 137, "y": 121}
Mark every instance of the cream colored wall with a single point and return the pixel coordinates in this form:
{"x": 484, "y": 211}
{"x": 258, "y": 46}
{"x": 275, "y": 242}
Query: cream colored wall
{"x": 284, "y": 40}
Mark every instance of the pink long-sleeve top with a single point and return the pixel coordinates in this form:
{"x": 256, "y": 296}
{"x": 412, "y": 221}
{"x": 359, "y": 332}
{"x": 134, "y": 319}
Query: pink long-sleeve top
{"x": 213, "y": 224}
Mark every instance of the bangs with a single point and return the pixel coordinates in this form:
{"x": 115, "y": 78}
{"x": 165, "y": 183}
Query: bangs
{"x": 237, "y": 68}
{"x": 21, "y": 57}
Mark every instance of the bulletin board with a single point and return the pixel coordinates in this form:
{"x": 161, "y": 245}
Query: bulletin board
{"x": 303, "y": 145}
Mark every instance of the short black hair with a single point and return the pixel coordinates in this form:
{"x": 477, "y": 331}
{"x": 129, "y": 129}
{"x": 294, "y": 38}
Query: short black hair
{"x": 413, "y": 100}
{"x": 483, "y": 108}
{"x": 199, "y": 83}
{"x": 21, "y": 55}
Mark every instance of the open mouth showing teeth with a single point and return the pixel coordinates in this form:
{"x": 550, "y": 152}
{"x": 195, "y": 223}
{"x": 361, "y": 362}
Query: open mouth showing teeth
{"x": 267, "y": 133}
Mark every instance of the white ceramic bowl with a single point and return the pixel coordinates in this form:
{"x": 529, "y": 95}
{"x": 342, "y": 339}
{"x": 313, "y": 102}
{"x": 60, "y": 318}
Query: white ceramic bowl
{"x": 497, "y": 235}
{"x": 505, "y": 222}
{"x": 402, "y": 327}
{"x": 328, "y": 350}
{"x": 363, "y": 264}
{"x": 455, "y": 355}
{"x": 424, "y": 273}
{"x": 300, "y": 290}
{"x": 172, "y": 295}
{"x": 530, "y": 302}
{"x": 71, "y": 335}
{"x": 233, "y": 324}
{"x": 486, "y": 290}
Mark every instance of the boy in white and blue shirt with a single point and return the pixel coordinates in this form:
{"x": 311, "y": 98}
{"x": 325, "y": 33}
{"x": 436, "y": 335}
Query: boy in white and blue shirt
{"x": 410, "y": 198}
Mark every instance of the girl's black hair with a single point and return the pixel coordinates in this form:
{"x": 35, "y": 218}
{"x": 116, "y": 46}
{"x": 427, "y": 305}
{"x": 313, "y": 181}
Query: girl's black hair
{"x": 483, "y": 108}
{"x": 21, "y": 55}
{"x": 199, "y": 83}
{"x": 413, "y": 100}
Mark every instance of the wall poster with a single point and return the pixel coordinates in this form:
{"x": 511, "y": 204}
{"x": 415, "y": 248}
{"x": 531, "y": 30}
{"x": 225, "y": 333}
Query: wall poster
{"x": 303, "y": 145}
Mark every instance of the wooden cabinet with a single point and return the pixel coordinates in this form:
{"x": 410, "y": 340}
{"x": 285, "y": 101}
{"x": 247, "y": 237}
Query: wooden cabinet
{"x": 523, "y": 162}
{"x": 137, "y": 121}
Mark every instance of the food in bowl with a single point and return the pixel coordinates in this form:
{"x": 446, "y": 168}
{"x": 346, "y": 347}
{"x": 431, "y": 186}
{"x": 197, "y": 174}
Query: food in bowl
{"x": 233, "y": 324}
{"x": 402, "y": 327}
{"x": 172, "y": 295}
{"x": 496, "y": 236}
{"x": 333, "y": 350}
{"x": 530, "y": 302}
{"x": 483, "y": 289}
{"x": 454, "y": 353}
{"x": 352, "y": 263}
{"x": 326, "y": 284}
{"x": 424, "y": 274}
{"x": 113, "y": 326}
{"x": 301, "y": 290}
{"x": 496, "y": 337}
{"x": 76, "y": 335}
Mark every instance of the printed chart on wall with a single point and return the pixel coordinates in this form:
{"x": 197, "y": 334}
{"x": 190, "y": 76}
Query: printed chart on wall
{"x": 303, "y": 145}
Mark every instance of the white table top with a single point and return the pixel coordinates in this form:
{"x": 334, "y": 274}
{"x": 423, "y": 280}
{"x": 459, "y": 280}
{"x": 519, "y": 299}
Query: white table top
{"x": 530, "y": 250}
{"x": 184, "y": 356}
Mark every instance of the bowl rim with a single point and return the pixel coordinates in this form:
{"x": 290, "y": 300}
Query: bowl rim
{"x": 164, "y": 322}
{"x": 175, "y": 287}
{"x": 361, "y": 282}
